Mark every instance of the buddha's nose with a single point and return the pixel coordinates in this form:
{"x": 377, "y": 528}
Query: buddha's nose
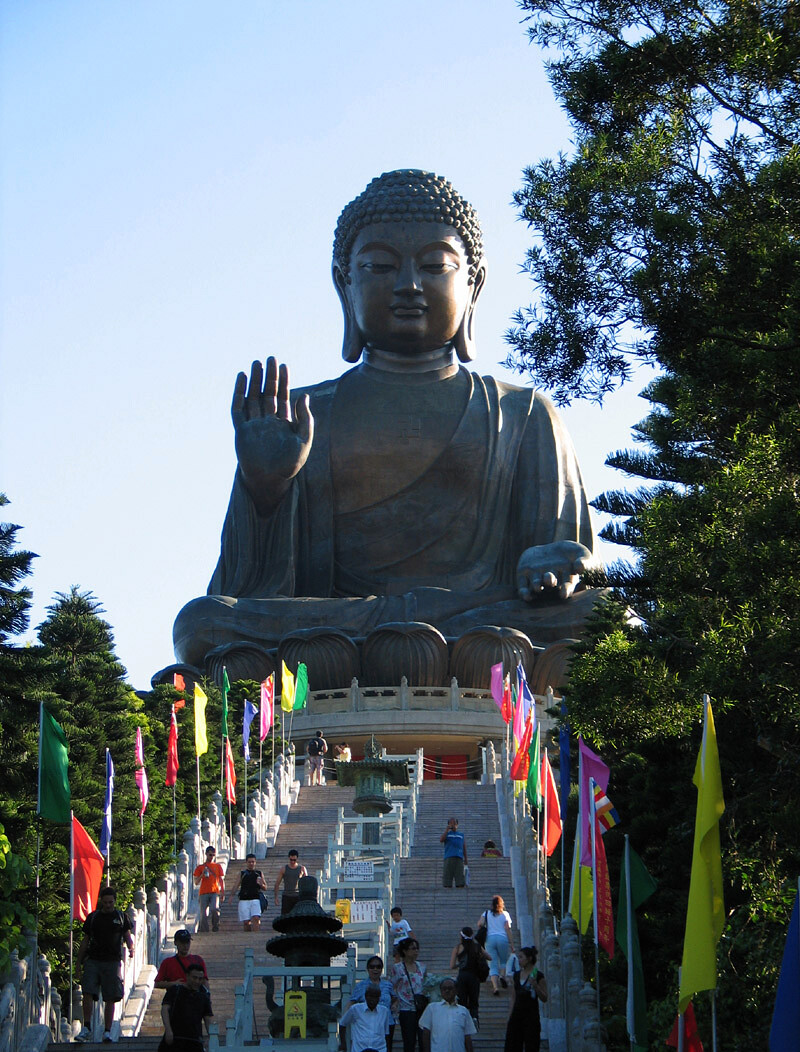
{"x": 409, "y": 278}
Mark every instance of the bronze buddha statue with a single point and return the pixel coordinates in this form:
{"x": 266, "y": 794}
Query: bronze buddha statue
{"x": 408, "y": 489}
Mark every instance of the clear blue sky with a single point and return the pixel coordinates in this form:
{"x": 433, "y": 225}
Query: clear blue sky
{"x": 171, "y": 177}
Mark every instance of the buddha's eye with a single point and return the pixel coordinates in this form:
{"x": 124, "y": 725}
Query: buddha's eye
{"x": 376, "y": 268}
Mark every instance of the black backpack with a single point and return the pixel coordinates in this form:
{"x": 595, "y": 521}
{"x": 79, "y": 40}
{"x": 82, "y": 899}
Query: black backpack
{"x": 313, "y": 747}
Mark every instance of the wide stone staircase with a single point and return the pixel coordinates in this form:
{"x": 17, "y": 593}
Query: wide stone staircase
{"x": 434, "y": 913}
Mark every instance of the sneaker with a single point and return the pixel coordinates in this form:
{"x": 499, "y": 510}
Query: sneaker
{"x": 84, "y": 1035}
{"x": 107, "y": 1038}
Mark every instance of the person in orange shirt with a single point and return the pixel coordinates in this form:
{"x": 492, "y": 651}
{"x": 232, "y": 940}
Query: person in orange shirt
{"x": 211, "y": 877}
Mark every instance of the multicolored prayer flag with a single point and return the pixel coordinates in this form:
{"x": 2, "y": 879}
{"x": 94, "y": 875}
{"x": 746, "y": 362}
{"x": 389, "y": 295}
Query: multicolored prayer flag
{"x": 705, "y": 915}
{"x": 53, "y": 799}
{"x": 507, "y": 705}
{"x": 87, "y": 871}
{"x": 521, "y": 762}
{"x": 607, "y": 816}
{"x": 602, "y": 889}
{"x": 200, "y": 734}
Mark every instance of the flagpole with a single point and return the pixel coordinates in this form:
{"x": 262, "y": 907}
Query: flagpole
{"x": 594, "y": 895}
{"x": 629, "y": 941}
{"x": 222, "y": 766}
{"x": 174, "y": 824}
{"x": 680, "y": 1015}
{"x": 197, "y": 763}
{"x": 579, "y": 847}
{"x": 38, "y": 850}
{"x": 543, "y": 847}
{"x": 71, "y": 912}
{"x": 141, "y": 827}
{"x": 714, "y": 1020}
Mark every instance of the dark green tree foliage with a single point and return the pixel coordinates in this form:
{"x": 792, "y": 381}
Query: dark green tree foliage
{"x": 672, "y": 236}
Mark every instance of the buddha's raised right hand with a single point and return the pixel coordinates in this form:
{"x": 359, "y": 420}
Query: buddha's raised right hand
{"x": 272, "y": 442}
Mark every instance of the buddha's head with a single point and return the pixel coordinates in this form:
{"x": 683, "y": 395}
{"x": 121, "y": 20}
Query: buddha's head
{"x": 408, "y": 266}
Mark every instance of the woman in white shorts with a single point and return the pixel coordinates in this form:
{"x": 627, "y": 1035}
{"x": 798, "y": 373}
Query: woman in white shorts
{"x": 249, "y": 889}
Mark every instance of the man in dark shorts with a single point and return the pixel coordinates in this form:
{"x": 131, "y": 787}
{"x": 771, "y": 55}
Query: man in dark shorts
{"x": 316, "y": 750}
{"x": 183, "y": 1012}
{"x": 104, "y": 931}
{"x": 290, "y": 874}
{"x": 173, "y": 971}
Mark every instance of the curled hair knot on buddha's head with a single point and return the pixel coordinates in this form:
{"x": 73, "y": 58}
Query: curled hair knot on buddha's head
{"x": 408, "y": 195}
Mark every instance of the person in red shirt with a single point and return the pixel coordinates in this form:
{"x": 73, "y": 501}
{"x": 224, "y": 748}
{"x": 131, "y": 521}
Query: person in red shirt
{"x": 172, "y": 971}
{"x": 211, "y": 877}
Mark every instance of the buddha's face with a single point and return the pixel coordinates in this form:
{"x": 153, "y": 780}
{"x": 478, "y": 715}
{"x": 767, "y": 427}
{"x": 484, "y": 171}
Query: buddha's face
{"x": 409, "y": 288}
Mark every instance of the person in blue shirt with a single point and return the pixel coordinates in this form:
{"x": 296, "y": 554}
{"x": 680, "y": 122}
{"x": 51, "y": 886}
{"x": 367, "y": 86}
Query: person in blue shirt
{"x": 455, "y": 855}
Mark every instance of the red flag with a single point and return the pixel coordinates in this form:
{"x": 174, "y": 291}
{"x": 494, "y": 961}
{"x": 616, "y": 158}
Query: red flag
{"x": 230, "y": 774}
{"x": 691, "y": 1039}
{"x": 266, "y": 712}
{"x": 179, "y": 704}
{"x": 521, "y": 766}
{"x": 87, "y": 872}
{"x": 172, "y": 752}
{"x": 605, "y": 918}
{"x": 507, "y": 705}
{"x": 178, "y": 681}
{"x": 553, "y": 828}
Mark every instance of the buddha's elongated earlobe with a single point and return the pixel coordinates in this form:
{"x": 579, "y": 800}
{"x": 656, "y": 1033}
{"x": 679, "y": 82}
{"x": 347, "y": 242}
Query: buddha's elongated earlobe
{"x": 352, "y": 340}
{"x": 463, "y": 341}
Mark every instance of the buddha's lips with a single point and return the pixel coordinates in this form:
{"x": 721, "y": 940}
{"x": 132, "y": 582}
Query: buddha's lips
{"x": 400, "y": 311}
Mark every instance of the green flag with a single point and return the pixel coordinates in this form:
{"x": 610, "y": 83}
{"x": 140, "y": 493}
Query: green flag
{"x": 642, "y": 886}
{"x": 226, "y": 686}
{"x": 300, "y": 687}
{"x": 54, "y": 798}
{"x": 532, "y": 787}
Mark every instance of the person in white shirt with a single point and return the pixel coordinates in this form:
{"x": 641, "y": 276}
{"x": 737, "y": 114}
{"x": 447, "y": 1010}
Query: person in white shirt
{"x": 369, "y": 1022}
{"x": 499, "y": 941}
{"x": 447, "y": 1026}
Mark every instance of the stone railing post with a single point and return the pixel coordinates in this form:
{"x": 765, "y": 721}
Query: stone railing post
{"x": 355, "y": 695}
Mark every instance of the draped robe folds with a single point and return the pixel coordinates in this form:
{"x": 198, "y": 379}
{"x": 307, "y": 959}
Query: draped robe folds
{"x": 443, "y": 549}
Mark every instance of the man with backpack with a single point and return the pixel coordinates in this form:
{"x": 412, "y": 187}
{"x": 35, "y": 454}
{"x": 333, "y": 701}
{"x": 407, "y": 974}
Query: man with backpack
{"x": 315, "y": 750}
{"x": 104, "y": 931}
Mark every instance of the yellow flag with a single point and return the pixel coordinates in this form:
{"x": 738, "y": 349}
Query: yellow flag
{"x": 581, "y": 879}
{"x": 200, "y": 736}
{"x": 287, "y": 688}
{"x": 705, "y": 916}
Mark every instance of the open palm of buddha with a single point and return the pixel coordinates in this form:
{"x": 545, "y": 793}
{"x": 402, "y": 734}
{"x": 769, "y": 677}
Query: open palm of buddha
{"x": 408, "y": 489}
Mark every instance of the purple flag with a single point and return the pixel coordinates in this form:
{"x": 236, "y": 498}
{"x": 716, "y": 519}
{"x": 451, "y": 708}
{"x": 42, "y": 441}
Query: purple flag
{"x": 497, "y": 684}
{"x": 591, "y": 767}
{"x": 105, "y": 832}
{"x": 563, "y": 761}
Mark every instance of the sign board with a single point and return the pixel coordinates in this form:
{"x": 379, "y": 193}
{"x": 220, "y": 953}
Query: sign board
{"x": 359, "y": 869}
{"x": 342, "y": 910}
{"x": 294, "y": 1013}
{"x": 364, "y": 911}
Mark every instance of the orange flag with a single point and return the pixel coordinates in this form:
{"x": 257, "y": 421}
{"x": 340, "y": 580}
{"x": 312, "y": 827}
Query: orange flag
{"x": 87, "y": 872}
{"x": 553, "y": 828}
{"x": 178, "y": 681}
{"x": 230, "y": 774}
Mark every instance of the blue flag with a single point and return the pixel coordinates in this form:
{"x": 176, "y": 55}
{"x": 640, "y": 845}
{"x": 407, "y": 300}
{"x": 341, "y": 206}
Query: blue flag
{"x": 784, "y": 1034}
{"x": 524, "y": 692}
{"x": 250, "y": 711}
{"x": 105, "y": 832}
{"x": 563, "y": 761}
